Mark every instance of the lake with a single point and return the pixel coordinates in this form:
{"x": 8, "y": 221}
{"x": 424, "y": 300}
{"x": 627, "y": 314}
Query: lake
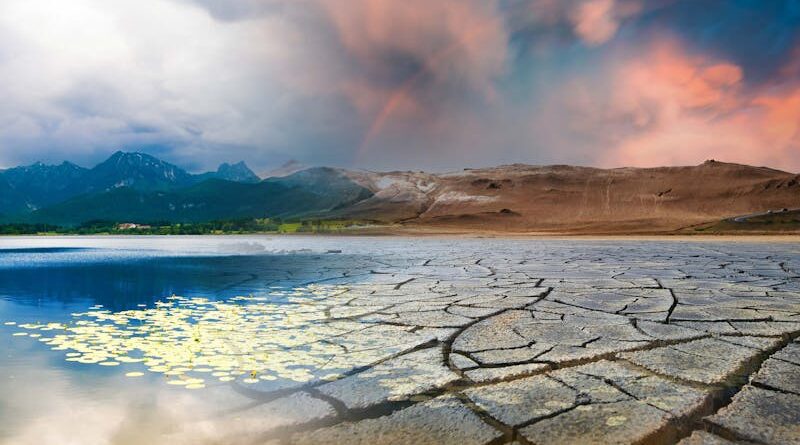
{"x": 243, "y": 339}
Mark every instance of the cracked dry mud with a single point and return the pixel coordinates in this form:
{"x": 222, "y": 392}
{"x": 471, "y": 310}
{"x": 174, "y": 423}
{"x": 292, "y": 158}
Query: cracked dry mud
{"x": 546, "y": 343}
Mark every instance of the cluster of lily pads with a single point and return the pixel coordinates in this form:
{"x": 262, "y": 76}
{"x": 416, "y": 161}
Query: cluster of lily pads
{"x": 193, "y": 341}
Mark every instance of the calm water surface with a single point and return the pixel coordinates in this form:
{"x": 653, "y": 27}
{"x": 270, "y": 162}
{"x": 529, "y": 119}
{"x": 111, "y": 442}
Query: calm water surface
{"x": 45, "y": 399}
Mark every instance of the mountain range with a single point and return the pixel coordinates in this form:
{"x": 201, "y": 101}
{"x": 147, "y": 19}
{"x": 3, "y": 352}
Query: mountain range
{"x": 136, "y": 187}
{"x": 139, "y": 187}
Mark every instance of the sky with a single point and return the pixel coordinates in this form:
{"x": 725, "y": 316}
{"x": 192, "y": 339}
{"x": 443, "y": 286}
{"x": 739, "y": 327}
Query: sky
{"x": 412, "y": 84}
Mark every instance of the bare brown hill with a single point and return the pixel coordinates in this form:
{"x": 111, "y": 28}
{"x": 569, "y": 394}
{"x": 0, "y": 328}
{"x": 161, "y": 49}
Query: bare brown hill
{"x": 569, "y": 199}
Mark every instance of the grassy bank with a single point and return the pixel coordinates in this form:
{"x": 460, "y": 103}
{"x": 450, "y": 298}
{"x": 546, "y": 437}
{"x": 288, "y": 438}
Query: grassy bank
{"x": 245, "y": 226}
{"x": 772, "y": 223}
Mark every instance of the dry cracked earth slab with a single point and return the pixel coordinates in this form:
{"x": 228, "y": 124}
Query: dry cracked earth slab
{"x": 542, "y": 343}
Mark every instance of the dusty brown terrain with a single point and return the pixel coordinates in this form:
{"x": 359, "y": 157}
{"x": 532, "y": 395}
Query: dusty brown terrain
{"x": 568, "y": 199}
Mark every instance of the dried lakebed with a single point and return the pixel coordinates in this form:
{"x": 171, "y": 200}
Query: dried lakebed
{"x": 479, "y": 342}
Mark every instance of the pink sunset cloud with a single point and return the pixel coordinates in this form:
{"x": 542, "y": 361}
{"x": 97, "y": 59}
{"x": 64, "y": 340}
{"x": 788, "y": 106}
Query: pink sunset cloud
{"x": 596, "y": 21}
{"x": 689, "y": 108}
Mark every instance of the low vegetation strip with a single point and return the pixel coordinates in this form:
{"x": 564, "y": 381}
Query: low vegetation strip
{"x": 244, "y": 226}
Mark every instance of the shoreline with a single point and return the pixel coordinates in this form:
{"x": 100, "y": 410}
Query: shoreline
{"x": 788, "y": 238}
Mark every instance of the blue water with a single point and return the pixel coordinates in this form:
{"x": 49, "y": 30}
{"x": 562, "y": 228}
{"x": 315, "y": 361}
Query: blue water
{"x": 47, "y": 279}
{"x": 49, "y": 283}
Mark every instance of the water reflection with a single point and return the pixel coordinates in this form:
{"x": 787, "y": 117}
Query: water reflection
{"x": 124, "y": 284}
{"x": 195, "y": 340}
{"x": 46, "y": 399}
{"x": 31, "y": 250}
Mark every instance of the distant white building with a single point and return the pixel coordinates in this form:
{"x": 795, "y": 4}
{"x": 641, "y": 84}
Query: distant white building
{"x": 129, "y": 226}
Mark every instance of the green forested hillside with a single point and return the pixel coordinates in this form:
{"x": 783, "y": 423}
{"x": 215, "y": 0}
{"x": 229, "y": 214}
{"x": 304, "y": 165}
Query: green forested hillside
{"x": 208, "y": 201}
